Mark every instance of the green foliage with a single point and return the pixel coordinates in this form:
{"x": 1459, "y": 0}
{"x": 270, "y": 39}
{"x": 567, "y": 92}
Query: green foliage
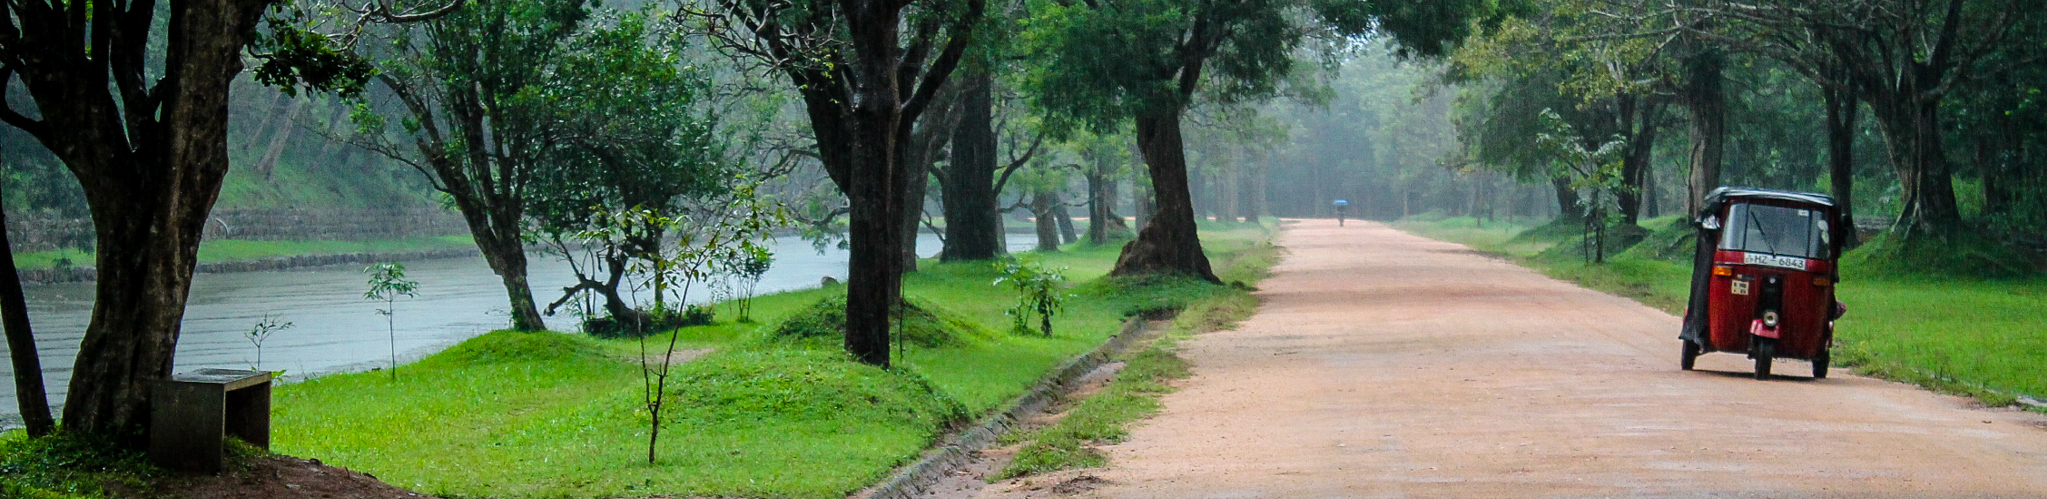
{"x": 387, "y": 282}
{"x": 293, "y": 54}
{"x": 548, "y": 415}
{"x": 745, "y": 271}
{"x": 1039, "y": 291}
{"x": 67, "y": 466}
{"x": 1956, "y": 255}
{"x": 1095, "y": 64}
{"x": 636, "y": 129}
{"x": 655, "y": 323}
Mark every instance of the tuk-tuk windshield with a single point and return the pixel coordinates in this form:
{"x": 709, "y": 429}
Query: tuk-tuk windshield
{"x": 1776, "y": 230}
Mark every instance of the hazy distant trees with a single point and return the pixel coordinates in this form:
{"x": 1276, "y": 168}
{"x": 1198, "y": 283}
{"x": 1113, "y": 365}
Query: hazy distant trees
{"x": 1098, "y": 64}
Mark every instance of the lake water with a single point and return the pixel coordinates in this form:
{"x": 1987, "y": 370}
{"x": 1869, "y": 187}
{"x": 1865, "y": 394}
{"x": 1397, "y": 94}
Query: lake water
{"x": 336, "y": 330}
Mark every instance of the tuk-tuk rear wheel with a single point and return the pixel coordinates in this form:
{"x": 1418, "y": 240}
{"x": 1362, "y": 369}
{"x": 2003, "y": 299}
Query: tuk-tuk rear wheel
{"x": 1691, "y": 355}
{"x": 1763, "y": 349}
{"x": 1819, "y": 365}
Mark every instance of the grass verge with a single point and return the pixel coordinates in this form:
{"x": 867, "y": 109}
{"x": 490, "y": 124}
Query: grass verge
{"x": 514, "y": 415}
{"x": 1105, "y": 417}
{"x": 1981, "y": 337}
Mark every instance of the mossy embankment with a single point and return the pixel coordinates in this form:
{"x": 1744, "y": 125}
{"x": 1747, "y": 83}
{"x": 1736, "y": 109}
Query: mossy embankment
{"x": 1968, "y": 316}
{"x": 760, "y": 415}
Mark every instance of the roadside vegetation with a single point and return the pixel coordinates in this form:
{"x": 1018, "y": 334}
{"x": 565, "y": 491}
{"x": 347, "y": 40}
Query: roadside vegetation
{"x": 1982, "y": 335}
{"x": 559, "y": 415}
{"x": 1105, "y": 417}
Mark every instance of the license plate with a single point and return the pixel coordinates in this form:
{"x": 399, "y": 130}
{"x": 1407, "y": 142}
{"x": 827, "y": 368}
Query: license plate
{"x": 1789, "y": 262}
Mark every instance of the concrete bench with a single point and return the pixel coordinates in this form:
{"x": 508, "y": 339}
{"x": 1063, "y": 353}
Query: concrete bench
{"x": 195, "y": 411}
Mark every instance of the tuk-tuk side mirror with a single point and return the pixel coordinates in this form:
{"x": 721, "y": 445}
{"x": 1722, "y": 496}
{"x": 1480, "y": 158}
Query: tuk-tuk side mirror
{"x": 1711, "y": 222}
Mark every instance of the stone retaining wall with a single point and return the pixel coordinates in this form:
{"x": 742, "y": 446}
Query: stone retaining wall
{"x": 47, "y": 231}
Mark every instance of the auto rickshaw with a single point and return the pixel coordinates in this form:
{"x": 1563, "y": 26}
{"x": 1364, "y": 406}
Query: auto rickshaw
{"x": 1763, "y": 278}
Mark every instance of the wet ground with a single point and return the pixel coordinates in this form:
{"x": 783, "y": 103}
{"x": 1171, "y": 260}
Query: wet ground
{"x": 1388, "y": 365}
{"x": 336, "y": 330}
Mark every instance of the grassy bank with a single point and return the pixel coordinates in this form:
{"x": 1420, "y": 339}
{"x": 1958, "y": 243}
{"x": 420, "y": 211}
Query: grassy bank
{"x": 229, "y": 250}
{"x": 557, "y": 415}
{"x": 1974, "y": 336}
{"x": 1105, "y": 417}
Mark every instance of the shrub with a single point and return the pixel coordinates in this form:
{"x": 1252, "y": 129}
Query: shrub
{"x": 612, "y": 328}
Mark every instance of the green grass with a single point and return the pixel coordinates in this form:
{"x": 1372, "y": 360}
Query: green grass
{"x": 229, "y": 250}
{"x": 513, "y": 415}
{"x": 66, "y": 466}
{"x": 1105, "y": 417}
{"x": 1960, "y": 334}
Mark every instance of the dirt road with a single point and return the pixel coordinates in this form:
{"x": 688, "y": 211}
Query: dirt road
{"x": 1388, "y": 365}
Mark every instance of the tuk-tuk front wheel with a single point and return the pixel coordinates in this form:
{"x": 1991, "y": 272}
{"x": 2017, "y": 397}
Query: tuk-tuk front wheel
{"x": 1819, "y": 365}
{"x": 1691, "y": 355}
{"x": 1763, "y": 349}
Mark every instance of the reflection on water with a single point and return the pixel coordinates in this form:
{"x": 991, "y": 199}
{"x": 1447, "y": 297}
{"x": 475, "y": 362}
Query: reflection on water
{"x": 336, "y": 330}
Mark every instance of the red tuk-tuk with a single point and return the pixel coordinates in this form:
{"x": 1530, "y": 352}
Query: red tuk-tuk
{"x": 1763, "y": 278}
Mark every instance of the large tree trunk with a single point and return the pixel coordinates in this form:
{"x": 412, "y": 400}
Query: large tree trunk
{"x": 1044, "y": 212}
{"x": 1568, "y": 206}
{"x": 1911, "y": 126}
{"x": 1841, "y": 120}
{"x": 874, "y": 179}
{"x": 1064, "y": 218}
{"x": 1638, "y": 120}
{"x": 506, "y": 256}
{"x": 1102, "y": 220}
{"x": 1169, "y": 241}
{"x": 973, "y": 225}
{"x": 1703, "y": 98}
{"x": 33, "y": 400}
{"x": 150, "y": 177}
{"x": 924, "y": 147}
{"x": 1097, "y": 205}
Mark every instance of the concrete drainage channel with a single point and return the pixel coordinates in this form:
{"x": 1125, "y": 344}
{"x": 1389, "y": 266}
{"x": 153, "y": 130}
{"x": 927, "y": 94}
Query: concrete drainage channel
{"x": 957, "y": 450}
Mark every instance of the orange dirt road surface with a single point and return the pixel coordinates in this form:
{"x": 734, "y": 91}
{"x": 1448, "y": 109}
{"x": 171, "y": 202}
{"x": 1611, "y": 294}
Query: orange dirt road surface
{"x": 1384, "y": 364}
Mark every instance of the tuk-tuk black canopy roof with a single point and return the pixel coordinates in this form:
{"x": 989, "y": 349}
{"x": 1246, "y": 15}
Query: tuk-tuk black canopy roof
{"x": 1721, "y": 195}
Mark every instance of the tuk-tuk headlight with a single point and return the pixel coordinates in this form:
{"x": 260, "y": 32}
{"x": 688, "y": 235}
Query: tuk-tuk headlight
{"x": 1770, "y": 318}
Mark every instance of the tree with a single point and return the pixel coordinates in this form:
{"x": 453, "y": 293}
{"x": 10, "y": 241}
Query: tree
{"x": 1039, "y": 291}
{"x": 864, "y": 83}
{"x": 141, "y": 122}
{"x": 1902, "y": 57}
{"x": 632, "y": 133}
{"x": 709, "y": 232}
{"x": 971, "y": 184}
{"x": 473, "y": 89}
{"x": 1102, "y": 160}
{"x": 32, "y": 400}
{"x": 1097, "y": 64}
{"x": 387, "y": 283}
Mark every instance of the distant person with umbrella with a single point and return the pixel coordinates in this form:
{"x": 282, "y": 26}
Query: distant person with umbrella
{"x": 1341, "y": 204}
